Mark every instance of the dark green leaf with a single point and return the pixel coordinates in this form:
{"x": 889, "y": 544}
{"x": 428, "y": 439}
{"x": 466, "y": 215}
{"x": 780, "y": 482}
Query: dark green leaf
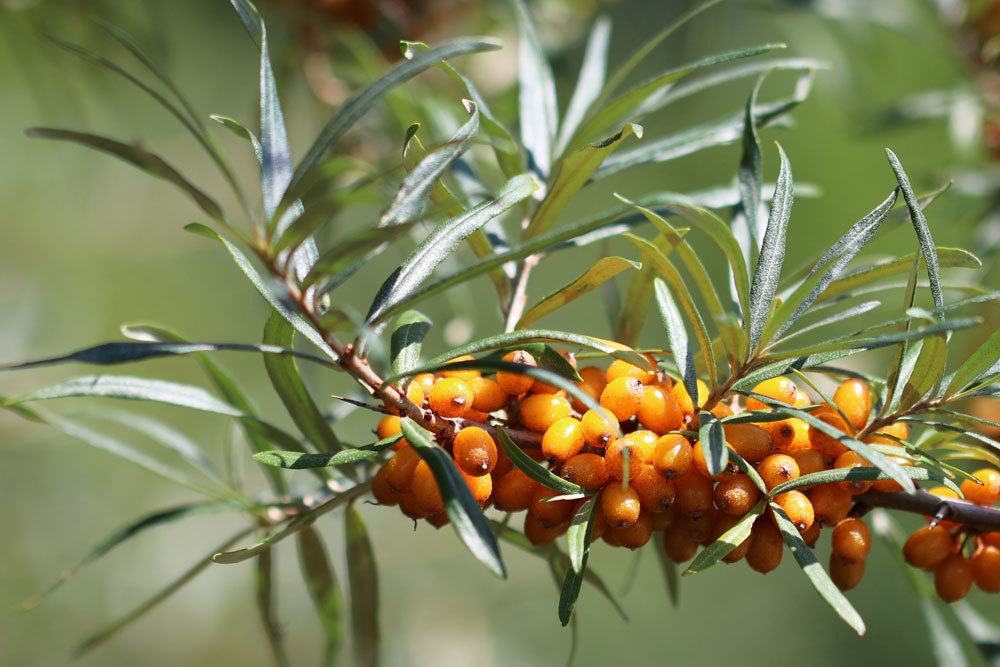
{"x": 321, "y": 582}
{"x": 363, "y": 575}
{"x": 975, "y": 365}
{"x": 728, "y": 541}
{"x": 853, "y": 474}
{"x": 767, "y": 272}
{"x": 533, "y": 468}
{"x": 301, "y": 460}
{"x": 266, "y": 607}
{"x": 577, "y": 534}
{"x": 408, "y": 335}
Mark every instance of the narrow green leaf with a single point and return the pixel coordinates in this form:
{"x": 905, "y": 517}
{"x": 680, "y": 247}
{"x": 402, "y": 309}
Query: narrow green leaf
{"x": 876, "y": 342}
{"x": 975, "y": 365}
{"x": 947, "y": 258}
{"x": 360, "y": 247}
{"x": 713, "y": 439}
{"x": 575, "y": 576}
{"x": 669, "y": 568}
{"x": 241, "y": 131}
{"x": 862, "y": 474}
{"x": 729, "y": 540}
{"x": 407, "y": 339}
{"x": 589, "y": 82}
{"x": 577, "y": 533}
{"x": 363, "y": 575}
{"x": 265, "y": 585}
{"x": 539, "y": 110}
{"x": 534, "y": 469}
{"x": 751, "y": 179}
{"x": 927, "y": 371}
{"x": 321, "y": 582}
{"x": 300, "y": 460}
{"x": 601, "y": 271}
{"x": 466, "y": 516}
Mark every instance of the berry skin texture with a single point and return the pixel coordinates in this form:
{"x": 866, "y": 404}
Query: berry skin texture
{"x": 410, "y": 507}
{"x": 540, "y": 533}
{"x": 749, "y": 441}
{"x": 480, "y": 487}
{"x": 845, "y": 573}
{"x": 987, "y": 493}
{"x": 463, "y": 374}
{"x": 658, "y": 410}
{"x": 475, "y": 451}
{"x": 563, "y": 439}
{"x": 799, "y": 440}
{"x": 425, "y": 489}
{"x": 683, "y": 399}
{"x": 622, "y": 397}
{"x": 694, "y": 493}
{"x": 766, "y": 546}
{"x": 513, "y": 491}
{"x": 425, "y": 381}
{"x": 599, "y": 428}
{"x": 383, "y": 493}
{"x": 487, "y": 395}
{"x": 798, "y": 508}
{"x": 851, "y": 540}
{"x": 634, "y": 536}
{"x": 389, "y": 426}
{"x": 927, "y": 547}
{"x": 829, "y": 446}
{"x": 991, "y": 538}
{"x": 953, "y": 578}
{"x": 830, "y": 503}
{"x": 592, "y": 385}
{"x": 656, "y": 494}
{"x": 782, "y": 434}
{"x": 550, "y": 513}
{"x": 540, "y": 411}
{"x": 451, "y": 397}
{"x": 851, "y": 459}
{"x": 401, "y": 466}
{"x": 615, "y": 455}
{"x": 516, "y": 384}
{"x": 672, "y": 456}
{"x": 777, "y": 469}
{"x": 588, "y": 470}
{"x": 986, "y": 569}
{"x": 700, "y": 461}
{"x": 678, "y": 546}
{"x": 854, "y": 398}
{"x": 619, "y": 368}
{"x": 779, "y": 388}
{"x": 900, "y": 430}
{"x": 736, "y": 495}
{"x": 809, "y": 460}
{"x": 621, "y": 507}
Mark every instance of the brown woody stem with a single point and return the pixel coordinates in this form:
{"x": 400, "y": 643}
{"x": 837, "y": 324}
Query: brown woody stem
{"x": 976, "y": 517}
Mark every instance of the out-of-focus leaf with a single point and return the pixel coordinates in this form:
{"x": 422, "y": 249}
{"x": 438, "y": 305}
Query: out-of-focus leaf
{"x": 539, "y": 110}
{"x": 301, "y": 460}
{"x": 363, "y": 575}
{"x": 669, "y": 568}
{"x": 927, "y": 247}
{"x": 407, "y": 339}
{"x": 265, "y": 585}
{"x": 533, "y": 468}
{"x": 466, "y": 516}
{"x": 728, "y": 541}
{"x": 975, "y": 365}
{"x": 876, "y": 342}
{"x": 604, "y": 269}
{"x": 589, "y": 82}
{"x": 241, "y": 131}
{"x": 839, "y": 316}
{"x": 817, "y": 575}
{"x": 348, "y": 251}
{"x": 321, "y": 582}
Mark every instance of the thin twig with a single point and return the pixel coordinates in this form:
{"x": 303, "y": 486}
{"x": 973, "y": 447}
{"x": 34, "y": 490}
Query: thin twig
{"x": 970, "y": 515}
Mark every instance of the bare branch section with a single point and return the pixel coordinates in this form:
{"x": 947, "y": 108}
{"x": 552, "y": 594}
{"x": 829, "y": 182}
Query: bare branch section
{"x": 970, "y": 515}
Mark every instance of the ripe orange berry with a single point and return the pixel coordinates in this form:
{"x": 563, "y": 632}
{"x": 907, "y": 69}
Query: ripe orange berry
{"x": 451, "y": 397}
{"x": 991, "y": 538}
{"x": 563, "y": 439}
{"x": 829, "y": 446}
{"x": 615, "y": 455}
{"x": 633, "y": 536}
{"x": 953, "y": 578}
{"x": 401, "y": 466}
{"x": 678, "y": 546}
{"x": 802, "y": 399}
{"x": 475, "y": 451}
{"x": 809, "y": 460}
{"x": 899, "y": 431}
{"x": 438, "y": 520}
{"x": 779, "y": 388}
{"x": 673, "y": 455}
{"x": 620, "y": 506}
{"x": 888, "y": 485}
{"x": 722, "y": 523}
{"x": 986, "y": 493}
{"x": 540, "y": 533}
{"x": 619, "y": 368}
{"x": 854, "y": 398}
{"x": 722, "y": 410}
{"x": 622, "y": 397}
{"x": 736, "y": 495}
{"x": 592, "y": 385}
{"x": 540, "y": 411}
{"x": 986, "y": 569}
{"x": 798, "y": 508}
{"x": 851, "y": 459}
{"x": 487, "y": 395}
{"x": 516, "y": 384}
{"x": 665, "y": 518}
{"x": 658, "y": 410}
{"x": 513, "y": 491}
{"x": 846, "y": 573}
{"x": 481, "y": 487}
{"x": 699, "y": 461}
{"x": 655, "y": 493}
{"x": 830, "y": 503}
{"x": 599, "y": 428}
{"x": 851, "y": 539}
{"x": 550, "y": 513}
{"x": 539, "y": 387}
{"x": 694, "y": 493}
{"x": 383, "y": 493}
{"x": 683, "y": 399}
{"x": 389, "y": 426}
{"x": 409, "y": 506}
{"x": 777, "y": 469}
{"x": 799, "y": 439}
{"x": 700, "y": 528}
{"x": 647, "y": 442}
{"x": 927, "y": 547}
{"x": 588, "y": 470}
{"x": 463, "y": 374}
{"x": 415, "y": 393}
{"x": 782, "y": 434}
{"x": 811, "y": 534}
{"x": 766, "y": 546}
{"x": 425, "y": 381}
{"x": 749, "y": 441}
{"x": 425, "y": 489}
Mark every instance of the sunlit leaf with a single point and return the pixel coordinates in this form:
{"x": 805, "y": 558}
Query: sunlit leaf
{"x": 728, "y": 541}
{"x": 602, "y": 270}
{"x": 539, "y": 110}
{"x": 589, "y": 82}
{"x": 407, "y": 339}
{"x": 927, "y": 247}
{"x": 767, "y": 272}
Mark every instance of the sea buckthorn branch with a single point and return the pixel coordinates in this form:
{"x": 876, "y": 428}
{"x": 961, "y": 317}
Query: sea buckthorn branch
{"x": 972, "y": 516}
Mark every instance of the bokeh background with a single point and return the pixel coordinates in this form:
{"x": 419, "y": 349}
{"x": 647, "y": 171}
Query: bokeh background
{"x": 88, "y": 244}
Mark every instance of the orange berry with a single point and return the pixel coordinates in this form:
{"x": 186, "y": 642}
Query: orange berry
{"x": 854, "y": 398}
{"x": 619, "y": 368}
{"x": 513, "y": 491}
{"x": 683, "y": 399}
{"x": 655, "y": 493}
{"x": 766, "y": 546}
{"x": 487, "y": 396}
{"x": 779, "y": 388}
{"x": 389, "y": 426}
{"x": 415, "y": 393}
{"x": 749, "y": 441}
{"x": 401, "y": 466}
{"x": 673, "y": 455}
{"x": 481, "y": 487}
{"x": 540, "y": 533}
{"x": 622, "y": 397}
{"x": 599, "y": 428}
{"x": 658, "y": 410}
{"x": 563, "y": 439}
{"x": 700, "y": 461}
{"x": 647, "y": 442}
{"x": 539, "y": 387}
{"x": 700, "y": 528}
{"x": 851, "y": 459}
{"x": 516, "y": 384}
{"x": 425, "y": 489}
{"x": 899, "y": 431}
{"x": 615, "y": 455}
{"x": 953, "y": 578}
{"x": 736, "y": 495}
{"x": 809, "y": 460}
{"x": 409, "y": 506}
{"x": 830, "y": 503}
{"x": 927, "y": 547}
{"x": 451, "y": 397}
{"x": 663, "y": 519}
{"x": 678, "y": 546}
{"x": 811, "y": 534}
{"x": 797, "y": 441}
{"x": 888, "y": 485}
{"x": 798, "y": 508}
{"x": 851, "y": 539}
{"x": 550, "y": 513}
{"x": 620, "y": 506}
{"x": 991, "y": 538}
{"x": 463, "y": 374}
{"x": 438, "y": 520}
{"x": 632, "y": 536}
{"x": 383, "y": 493}
{"x": 986, "y": 569}
{"x": 777, "y": 469}
{"x": 802, "y": 399}
{"x": 986, "y": 493}
{"x": 846, "y": 573}
{"x": 829, "y": 446}
{"x": 425, "y": 381}
{"x": 588, "y": 470}
{"x": 722, "y": 523}
{"x": 540, "y": 411}
{"x": 694, "y": 493}
{"x": 592, "y": 385}
{"x": 475, "y": 451}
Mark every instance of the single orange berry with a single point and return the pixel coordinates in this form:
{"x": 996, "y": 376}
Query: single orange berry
{"x": 409, "y": 506}
{"x": 425, "y": 381}
{"x": 647, "y": 442}
{"x": 462, "y": 374}
{"x": 986, "y": 568}
{"x": 854, "y": 398}
{"x": 475, "y": 451}
{"x": 655, "y": 493}
{"x": 658, "y": 410}
{"x": 588, "y": 470}
{"x": 384, "y": 494}
{"x": 389, "y": 426}
{"x": 927, "y": 547}
{"x": 809, "y": 460}
{"x": 513, "y": 491}
{"x": 777, "y": 469}
{"x": 846, "y": 573}
{"x": 439, "y": 520}
{"x": 699, "y": 459}
{"x": 622, "y": 397}
{"x": 401, "y": 466}
{"x": 540, "y": 533}
{"x": 694, "y": 493}
{"x": 766, "y": 546}
{"x": 451, "y": 397}
{"x": 890, "y": 434}
{"x": 563, "y": 439}
{"x": 953, "y": 578}
{"x": 851, "y": 459}
{"x": 661, "y": 520}
{"x": 798, "y": 508}
{"x": 619, "y": 368}
{"x": 830, "y": 447}
{"x": 481, "y": 487}
{"x": 673, "y": 455}
{"x": 615, "y": 457}
{"x": 851, "y": 539}
{"x": 683, "y": 399}
{"x": 779, "y": 388}
{"x": 620, "y": 506}
{"x": 551, "y": 513}
{"x": 487, "y": 396}
{"x": 633, "y": 536}
{"x": 700, "y": 528}
{"x": 798, "y": 440}
{"x": 802, "y": 399}
{"x": 678, "y": 546}
{"x": 592, "y": 385}
{"x": 736, "y": 495}
{"x": 425, "y": 489}
{"x": 749, "y": 441}
{"x": 991, "y": 538}
{"x": 516, "y": 384}
{"x": 985, "y": 493}
{"x": 599, "y": 428}
{"x": 830, "y": 503}
{"x": 540, "y": 411}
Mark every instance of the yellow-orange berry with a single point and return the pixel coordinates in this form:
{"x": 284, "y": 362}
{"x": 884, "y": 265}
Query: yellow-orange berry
{"x": 673, "y": 455}
{"x": 563, "y": 439}
{"x": 588, "y": 470}
{"x": 782, "y": 434}
{"x": 722, "y": 410}
{"x": 854, "y": 398}
{"x": 647, "y": 442}
{"x": 615, "y": 456}
{"x": 992, "y": 538}
{"x": 462, "y": 374}
{"x": 736, "y": 495}
{"x": 665, "y": 518}
{"x": 889, "y": 485}
{"x": 684, "y": 402}
{"x": 554, "y": 512}
{"x": 487, "y": 396}
{"x": 927, "y": 547}
{"x": 799, "y": 439}
{"x": 540, "y": 533}
{"x": 514, "y": 491}
{"x": 383, "y": 493}
{"x": 678, "y": 546}
{"x": 749, "y": 441}
{"x": 986, "y": 568}
{"x": 634, "y": 535}
{"x": 694, "y": 493}
{"x": 830, "y": 503}
{"x": 846, "y": 573}
{"x": 516, "y": 384}
{"x": 953, "y": 578}
{"x": 425, "y": 381}
{"x": 620, "y": 506}
{"x": 985, "y": 493}
{"x": 409, "y": 506}
{"x": 592, "y": 385}
{"x": 779, "y": 388}
{"x": 425, "y": 489}
{"x": 475, "y": 451}
{"x": 851, "y": 459}
{"x": 619, "y": 368}
{"x": 699, "y": 459}
{"x": 851, "y": 539}
{"x": 897, "y": 430}
{"x": 802, "y": 399}
{"x": 389, "y": 426}
{"x": 766, "y": 546}
{"x": 599, "y": 428}
{"x": 655, "y": 493}
{"x": 400, "y": 468}
{"x": 622, "y": 397}
{"x": 540, "y": 411}
{"x": 451, "y": 397}
{"x": 777, "y": 469}
{"x": 828, "y": 445}
{"x": 481, "y": 487}
{"x": 809, "y": 460}
{"x": 658, "y": 410}
{"x": 798, "y": 508}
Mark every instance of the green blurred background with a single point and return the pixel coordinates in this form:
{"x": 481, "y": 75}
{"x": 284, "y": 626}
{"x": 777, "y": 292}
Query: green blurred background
{"x": 89, "y": 244}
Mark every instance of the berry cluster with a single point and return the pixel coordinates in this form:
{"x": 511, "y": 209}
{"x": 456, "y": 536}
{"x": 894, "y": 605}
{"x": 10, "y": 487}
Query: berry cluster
{"x": 640, "y": 453}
